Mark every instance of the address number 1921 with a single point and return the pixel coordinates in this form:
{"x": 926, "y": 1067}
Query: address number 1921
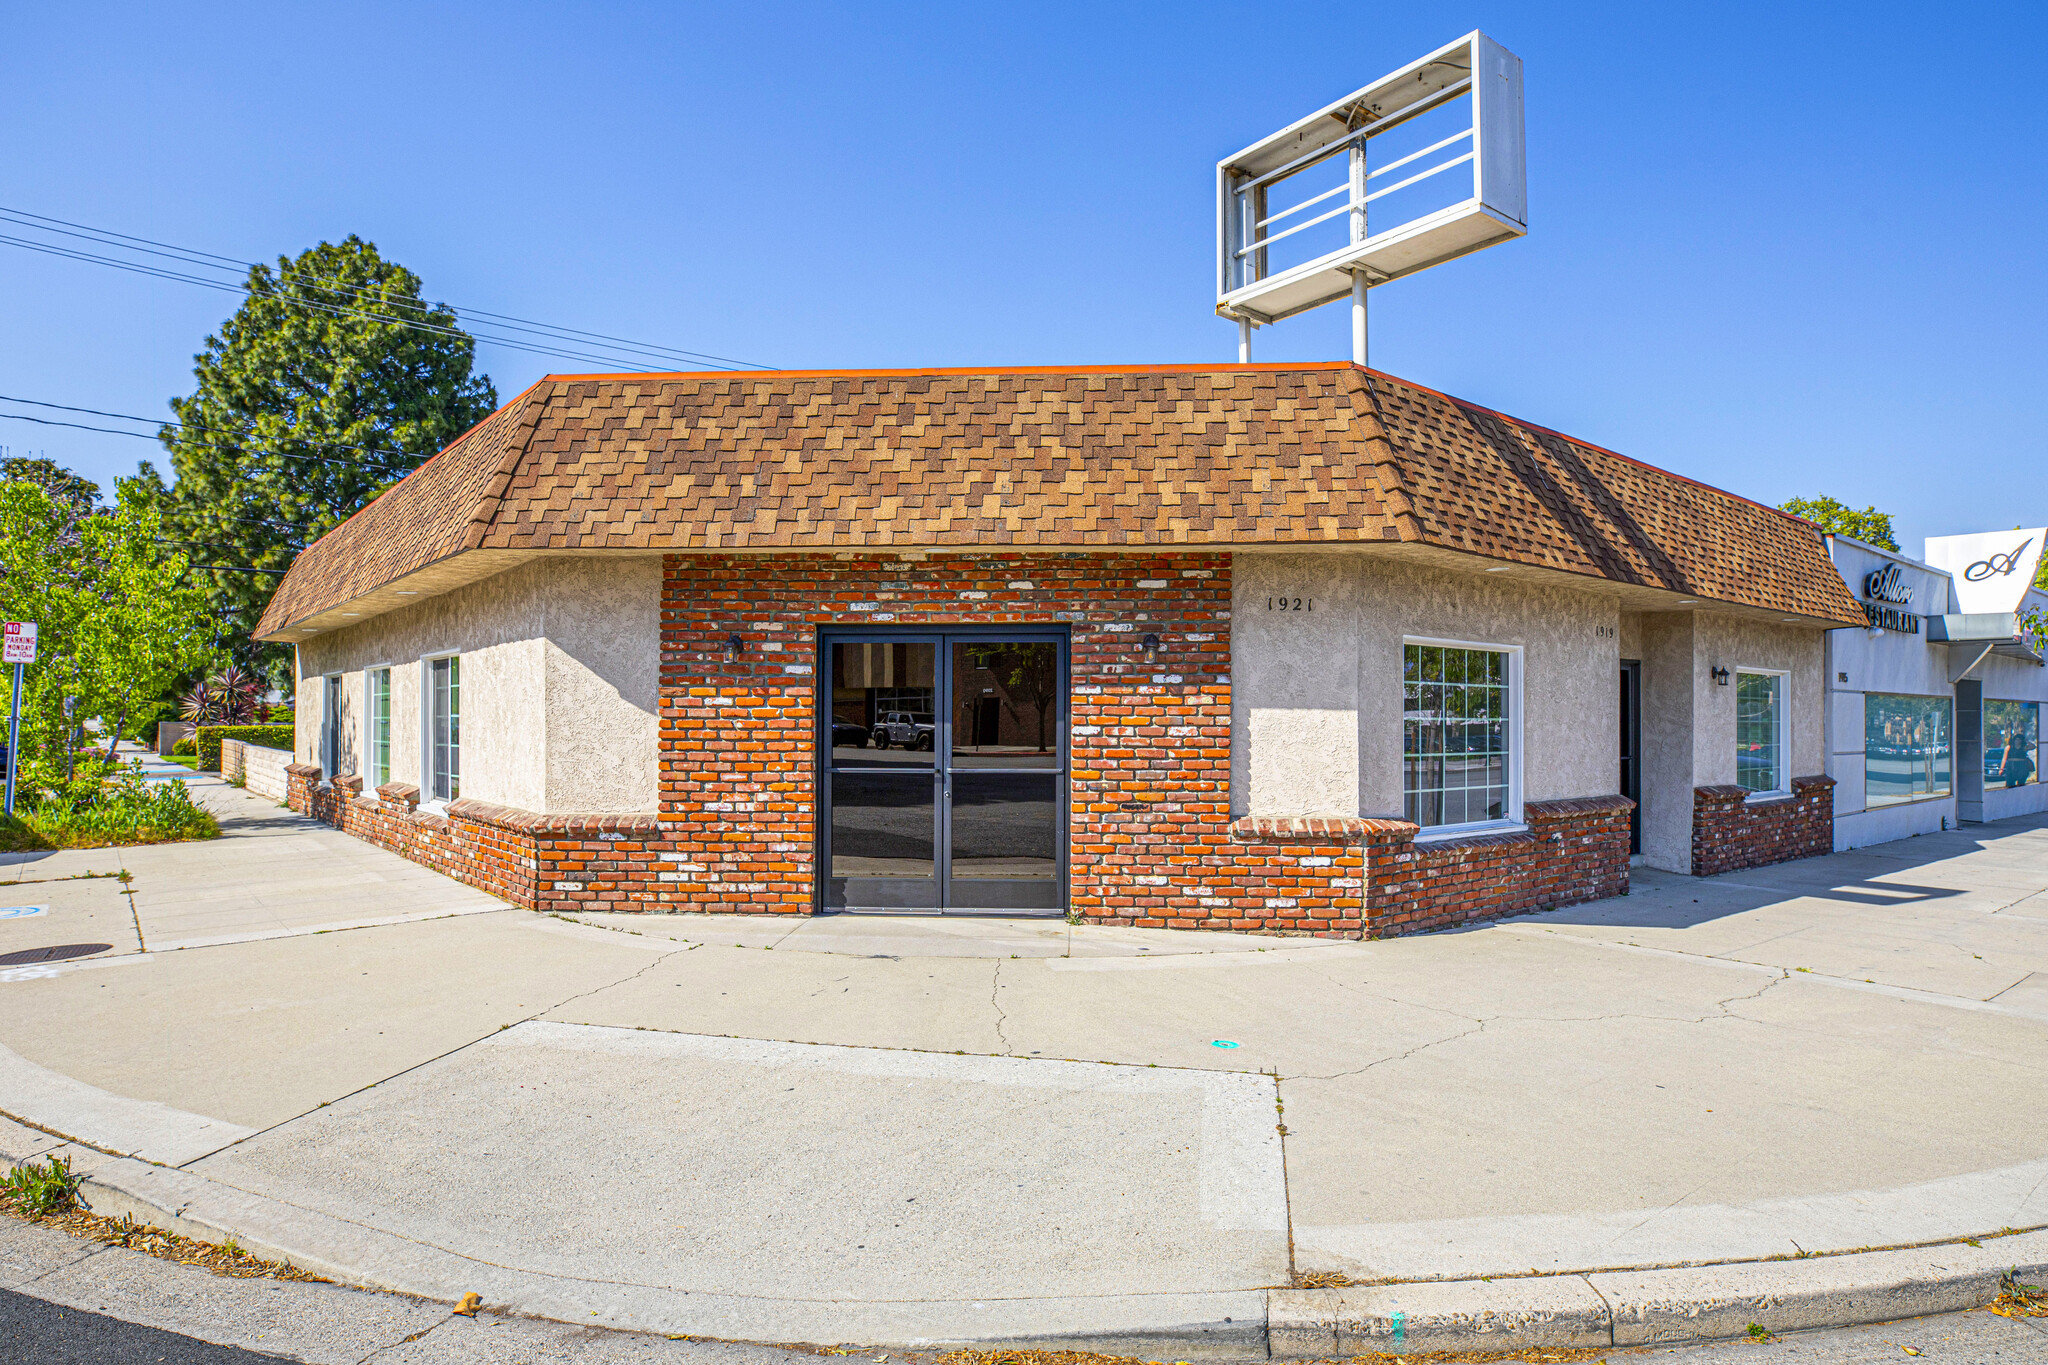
{"x": 1290, "y": 604}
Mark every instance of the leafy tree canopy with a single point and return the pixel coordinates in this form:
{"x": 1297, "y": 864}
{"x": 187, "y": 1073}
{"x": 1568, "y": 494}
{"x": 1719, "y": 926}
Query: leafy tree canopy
{"x": 117, "y": 622}
{"x": 318, "y": 394}
{"x": 1870, "y": 526}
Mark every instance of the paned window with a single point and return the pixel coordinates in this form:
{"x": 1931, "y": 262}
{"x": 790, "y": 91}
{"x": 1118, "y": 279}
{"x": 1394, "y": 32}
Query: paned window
{"x": 444, "y": 730}
{"x": 1906, "y": 748}
{"x": 1760, "y": 732}
{"x": 380, "y": 726}
{"x": 2012, "y": 743}
{"x": 1455, "y": 735}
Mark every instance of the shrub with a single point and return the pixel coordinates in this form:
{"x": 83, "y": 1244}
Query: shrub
{"x": 268, "y": 736}
{"x": 130, "y": 809}
{"x": 185, "y": 747}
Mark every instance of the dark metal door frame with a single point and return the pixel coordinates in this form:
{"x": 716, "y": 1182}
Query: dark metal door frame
{"x": 1632, "y": 748}
{"x": 942, "y": 638}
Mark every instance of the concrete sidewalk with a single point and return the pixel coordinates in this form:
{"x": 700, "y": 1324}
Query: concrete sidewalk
{"x": 915, "y": 1130}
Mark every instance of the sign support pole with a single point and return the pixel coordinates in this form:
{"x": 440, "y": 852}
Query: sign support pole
{"x": 1244, "y": 341}
{"x": 1358, "y": 286}
{"x": 14, "y": 739}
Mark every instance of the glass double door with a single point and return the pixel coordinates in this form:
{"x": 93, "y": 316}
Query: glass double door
{"x": 943, "y": 772}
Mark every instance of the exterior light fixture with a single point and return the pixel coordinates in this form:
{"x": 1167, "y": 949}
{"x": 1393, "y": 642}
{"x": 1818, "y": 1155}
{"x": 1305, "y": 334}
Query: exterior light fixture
{"x": 1690, "y": 602}
{"x": 1502, "y": 569}
{"x": 1719, "y": 675}
{"x": 1151, "y": 649}
{"x": 737, "y": 645}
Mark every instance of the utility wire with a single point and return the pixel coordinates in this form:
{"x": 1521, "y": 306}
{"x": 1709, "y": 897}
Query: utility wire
{"x": 210, "y": 261}
{"x": 213, "y": 445}
{"x": 339, "y": 310}
{"x": 193, "y": 426}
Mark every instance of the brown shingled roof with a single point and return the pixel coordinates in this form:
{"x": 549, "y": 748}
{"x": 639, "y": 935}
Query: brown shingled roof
{"x": 1054, "y": 458}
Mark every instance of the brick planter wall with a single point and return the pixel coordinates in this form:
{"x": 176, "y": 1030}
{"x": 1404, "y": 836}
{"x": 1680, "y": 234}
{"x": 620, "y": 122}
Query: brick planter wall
{"x": 547, "y": 862}
{"x": 1730, "y": 831}
{"x": 1573, "y": 851}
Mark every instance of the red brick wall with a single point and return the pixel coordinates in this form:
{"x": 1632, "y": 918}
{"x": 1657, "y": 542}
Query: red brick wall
{"x": 1149, "y": 834}
{"x": 548, "y": 862}
{"x": 1573, "y": 851}
{"x": 1731, "y": 832}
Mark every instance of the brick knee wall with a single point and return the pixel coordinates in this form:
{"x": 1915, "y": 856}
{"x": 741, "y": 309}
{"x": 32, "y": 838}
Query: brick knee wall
{"x": 1730, "y": 831}
{"x": 1573, "y": 851}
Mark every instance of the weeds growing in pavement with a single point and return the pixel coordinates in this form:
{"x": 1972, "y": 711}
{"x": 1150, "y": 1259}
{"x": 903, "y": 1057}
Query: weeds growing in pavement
{"x": 2016, "y": 1300}
{"x": 43, "y": 1189}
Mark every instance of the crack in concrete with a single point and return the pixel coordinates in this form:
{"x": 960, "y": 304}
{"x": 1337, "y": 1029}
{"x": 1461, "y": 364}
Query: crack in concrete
{"x": 995, "y": 989}
{"x": 408, "y": 1339}
{"x": 1478, "y": 1026}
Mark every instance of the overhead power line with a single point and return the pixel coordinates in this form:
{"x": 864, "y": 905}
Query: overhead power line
{"x": 243, "y": 448}
{"x": 193, "y": 426}
{"x": 614, "y": 351}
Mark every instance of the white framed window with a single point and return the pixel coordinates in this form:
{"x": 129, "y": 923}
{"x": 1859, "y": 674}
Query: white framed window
{"x": 1461, "y": 734}
{"x": 377, "y": 726}
{"x": 440, "y": 728}
{"x": 1762, "y": 697}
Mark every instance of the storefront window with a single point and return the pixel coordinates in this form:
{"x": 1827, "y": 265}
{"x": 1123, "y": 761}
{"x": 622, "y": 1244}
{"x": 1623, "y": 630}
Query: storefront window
{"x": 1455, "y": 733}
{"x": 1760, "y": 732}
{"x": 1906, "y": 748}
{"x": 2012, "y": 743}
{"x": 444, "y": 729}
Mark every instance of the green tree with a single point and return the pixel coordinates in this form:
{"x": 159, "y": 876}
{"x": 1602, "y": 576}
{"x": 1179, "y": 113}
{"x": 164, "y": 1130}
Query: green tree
{"x": 118, "y": 623}
{"x": 319, "y": 393}
{"x": 1870, "y": 526}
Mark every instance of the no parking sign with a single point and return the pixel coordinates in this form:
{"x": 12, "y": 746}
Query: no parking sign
{"x": 20, "y": 643}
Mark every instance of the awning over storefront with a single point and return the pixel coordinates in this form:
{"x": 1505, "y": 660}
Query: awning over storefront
{"x": 1981, "y": 634}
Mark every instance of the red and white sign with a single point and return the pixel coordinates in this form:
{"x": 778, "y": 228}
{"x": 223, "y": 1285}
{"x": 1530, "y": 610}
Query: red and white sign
{"x": 20, "y": 646}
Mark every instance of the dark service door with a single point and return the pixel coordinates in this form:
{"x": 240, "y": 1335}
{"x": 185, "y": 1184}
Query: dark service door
{"x": 1632, "y": 748}
{"x": 942, "y": 764}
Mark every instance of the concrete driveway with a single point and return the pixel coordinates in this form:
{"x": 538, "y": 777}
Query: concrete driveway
{"x": 859, "y": 1129}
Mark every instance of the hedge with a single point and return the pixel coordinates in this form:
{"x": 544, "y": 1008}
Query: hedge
{"x": 266, "y": 736}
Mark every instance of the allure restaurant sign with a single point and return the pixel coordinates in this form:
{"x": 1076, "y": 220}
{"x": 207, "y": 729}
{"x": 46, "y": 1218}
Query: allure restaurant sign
{"x": 1888, "y": 601}
{"x": 1993, "y": 570}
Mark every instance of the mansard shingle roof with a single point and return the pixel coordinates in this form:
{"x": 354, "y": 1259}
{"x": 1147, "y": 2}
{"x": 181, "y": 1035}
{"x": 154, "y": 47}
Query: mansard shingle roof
{"x": 1201, "y": 456}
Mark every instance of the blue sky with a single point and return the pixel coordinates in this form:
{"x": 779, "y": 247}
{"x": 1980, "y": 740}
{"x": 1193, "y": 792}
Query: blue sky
{"x": 1770, "y": 247}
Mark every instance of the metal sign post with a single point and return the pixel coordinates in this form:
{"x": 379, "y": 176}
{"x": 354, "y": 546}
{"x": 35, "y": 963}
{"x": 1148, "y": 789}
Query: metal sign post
{"x": 19, "y": 649}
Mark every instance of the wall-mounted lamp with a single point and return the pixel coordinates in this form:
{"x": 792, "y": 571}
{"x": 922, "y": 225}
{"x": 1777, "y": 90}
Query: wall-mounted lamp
{"x": 1719, "y": 675}
{"x": 1151, "y": 649}
{"x": 734, "y": 643}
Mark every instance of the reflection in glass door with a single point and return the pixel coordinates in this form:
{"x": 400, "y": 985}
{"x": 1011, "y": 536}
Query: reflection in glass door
{"x": 943, "y": 771}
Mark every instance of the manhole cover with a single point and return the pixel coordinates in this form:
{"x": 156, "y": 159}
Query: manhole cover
{"x": 56, "y": 952}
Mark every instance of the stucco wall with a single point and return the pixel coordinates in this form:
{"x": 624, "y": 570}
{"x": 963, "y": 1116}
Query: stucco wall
{"x": 1735, "y": 642}
{"x": 1689, "y": 721}
{"x": 560, "y": 662}
{"x": 1317, "y": 693}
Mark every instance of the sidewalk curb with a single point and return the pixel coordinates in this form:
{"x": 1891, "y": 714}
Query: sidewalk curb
{"x": 1224, "y": 1325}
{"x": 1650, "y": 1307}
{"x": 1596, "y": 1310}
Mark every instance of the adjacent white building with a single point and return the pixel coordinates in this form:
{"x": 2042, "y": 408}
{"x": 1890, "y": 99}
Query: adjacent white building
{"x": 1934, "y": 708}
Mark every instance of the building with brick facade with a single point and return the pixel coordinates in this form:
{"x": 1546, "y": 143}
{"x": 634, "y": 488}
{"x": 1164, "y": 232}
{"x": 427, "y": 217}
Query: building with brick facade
{"x": 1283, "y": 648}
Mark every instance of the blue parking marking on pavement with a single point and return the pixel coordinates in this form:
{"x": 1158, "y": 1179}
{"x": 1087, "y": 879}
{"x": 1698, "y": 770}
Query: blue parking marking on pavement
{"x": 22, "y": 911}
